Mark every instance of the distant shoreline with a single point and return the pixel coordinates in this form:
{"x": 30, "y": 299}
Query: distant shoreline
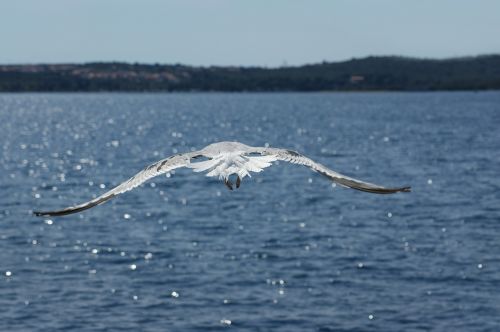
{"x": 370, "y": 74}
{"x": 250, "y": 92}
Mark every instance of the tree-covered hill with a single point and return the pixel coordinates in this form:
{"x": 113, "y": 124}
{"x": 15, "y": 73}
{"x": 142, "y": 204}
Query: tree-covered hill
{"x": 367, "y": 74}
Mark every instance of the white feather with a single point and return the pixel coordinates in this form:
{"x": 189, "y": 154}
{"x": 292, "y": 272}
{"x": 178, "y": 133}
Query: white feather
{"x": 204, "y": 165}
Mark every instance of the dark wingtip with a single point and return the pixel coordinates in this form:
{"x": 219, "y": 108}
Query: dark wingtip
{"x": 44, "y": 214}
{"x": 74, "y": 209}
{"x": 382, "y": 190}
{"x": 394, "y": 190}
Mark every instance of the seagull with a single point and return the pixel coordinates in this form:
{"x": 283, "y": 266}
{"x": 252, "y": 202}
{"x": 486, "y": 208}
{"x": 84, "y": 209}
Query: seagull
{"x": 225, "y": 160}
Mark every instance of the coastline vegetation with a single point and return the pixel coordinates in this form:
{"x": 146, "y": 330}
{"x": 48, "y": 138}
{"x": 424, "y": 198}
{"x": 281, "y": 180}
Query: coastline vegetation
{"x": 375, "y": 73}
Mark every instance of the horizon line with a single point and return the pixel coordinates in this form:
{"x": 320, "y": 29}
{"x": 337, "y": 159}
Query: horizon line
{"x": 251, "y": 66}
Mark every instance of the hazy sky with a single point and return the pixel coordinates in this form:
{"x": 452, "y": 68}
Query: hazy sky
{"x": 237, "y": 32}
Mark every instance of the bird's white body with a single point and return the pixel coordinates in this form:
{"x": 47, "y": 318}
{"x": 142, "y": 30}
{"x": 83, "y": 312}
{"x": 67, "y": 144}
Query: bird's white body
{"x": 222, "y": 160}
{"x": 225, "y": 163}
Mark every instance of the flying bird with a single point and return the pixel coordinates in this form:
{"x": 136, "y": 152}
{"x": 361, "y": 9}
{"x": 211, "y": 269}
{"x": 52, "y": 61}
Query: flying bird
{"x": 225, "y": 160}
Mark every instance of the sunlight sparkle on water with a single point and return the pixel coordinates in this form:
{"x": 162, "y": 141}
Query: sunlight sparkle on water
{"x": 225, "y": 321}
{"x": 280, "y": 253}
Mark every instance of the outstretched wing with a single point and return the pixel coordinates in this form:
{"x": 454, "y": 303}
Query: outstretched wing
{"x": 160, "y": 167}
{"x": 296, "y": 158}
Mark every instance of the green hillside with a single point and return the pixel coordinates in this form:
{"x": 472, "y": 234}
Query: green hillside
{"x": 367, "y": 74}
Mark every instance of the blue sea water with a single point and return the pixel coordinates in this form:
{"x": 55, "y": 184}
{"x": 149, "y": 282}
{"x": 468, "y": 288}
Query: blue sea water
{"x": 285, "y": 252}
